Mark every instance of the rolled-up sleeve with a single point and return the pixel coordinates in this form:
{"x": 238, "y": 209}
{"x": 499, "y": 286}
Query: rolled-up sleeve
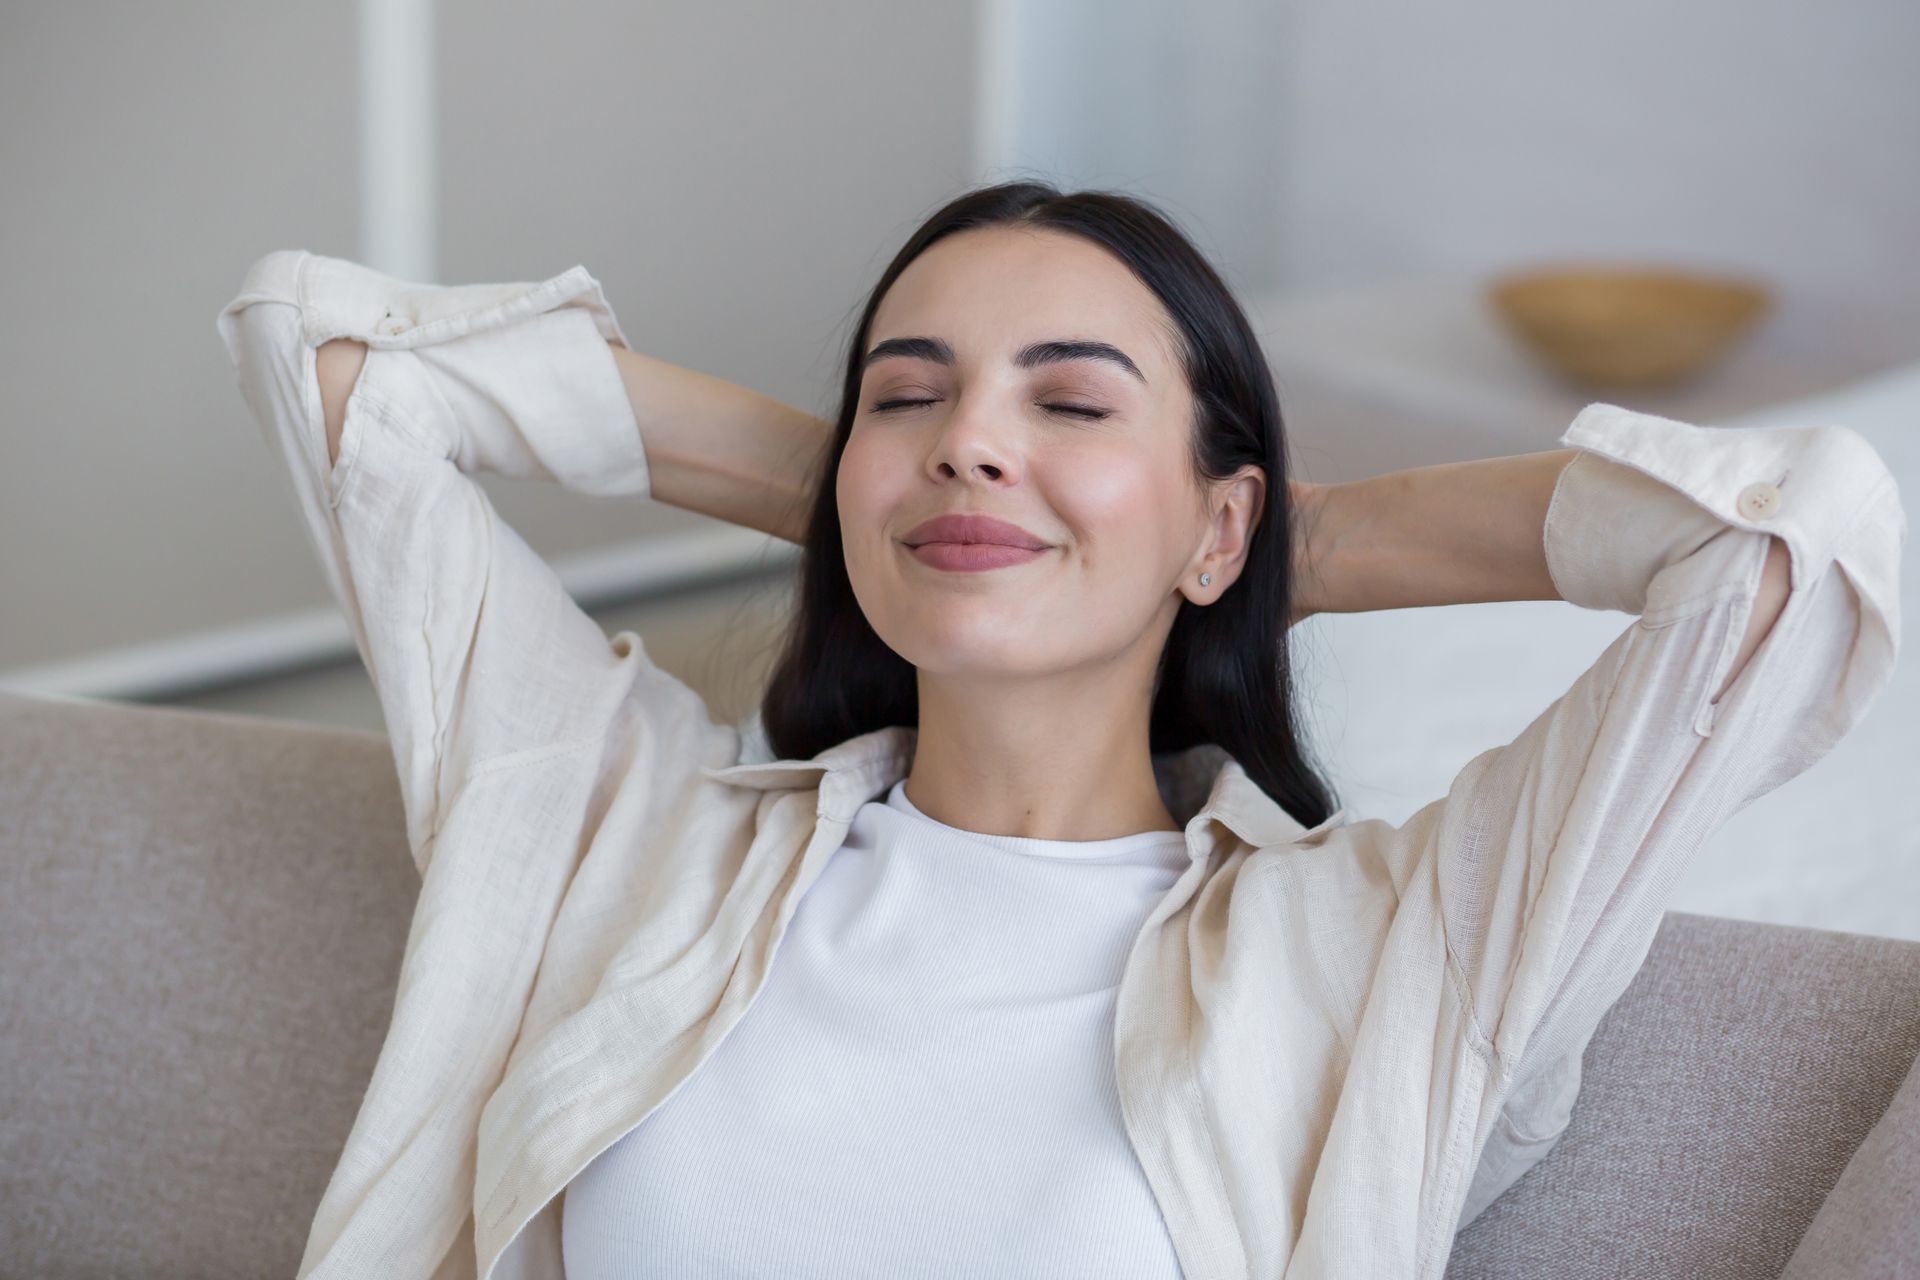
{"x": 1554, "y": 856}
{"x": 479, "y": 656}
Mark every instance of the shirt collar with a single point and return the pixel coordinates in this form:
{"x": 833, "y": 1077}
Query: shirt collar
{"x": 1202, "y": 780}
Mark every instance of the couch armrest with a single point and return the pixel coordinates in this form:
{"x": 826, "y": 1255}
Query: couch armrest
{"x": 1869, "y": 1224}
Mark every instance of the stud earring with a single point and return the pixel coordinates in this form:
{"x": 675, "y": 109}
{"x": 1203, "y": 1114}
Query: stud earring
{"x": 1205, "y": 578}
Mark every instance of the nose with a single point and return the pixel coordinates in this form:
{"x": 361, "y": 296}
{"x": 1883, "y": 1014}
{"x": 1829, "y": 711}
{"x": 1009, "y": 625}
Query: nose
{"x": 973, "y": 443}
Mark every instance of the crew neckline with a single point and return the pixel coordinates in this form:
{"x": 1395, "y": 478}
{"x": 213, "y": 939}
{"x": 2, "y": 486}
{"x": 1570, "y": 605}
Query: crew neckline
{"x": 1113, "y": 846}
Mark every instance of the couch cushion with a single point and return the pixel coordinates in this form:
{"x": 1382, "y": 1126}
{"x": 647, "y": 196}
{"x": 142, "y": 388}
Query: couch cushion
{"x": 201, "y": 924}
{"x": 202, "y": 918}
{"x": 1870, "y": 1223}
{"x": 1721, "y": 1096}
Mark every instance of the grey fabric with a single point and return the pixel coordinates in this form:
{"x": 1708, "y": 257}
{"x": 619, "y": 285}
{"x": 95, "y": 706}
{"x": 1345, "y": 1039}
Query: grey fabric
{"x": 201, "y": 923}
{"x": 1870, "y": 1224}
{"x": 1721, "y": 1097}
{"x": 1537, "y": 1111}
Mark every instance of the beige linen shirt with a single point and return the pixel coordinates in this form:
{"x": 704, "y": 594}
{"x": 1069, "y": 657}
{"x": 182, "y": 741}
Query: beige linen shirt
{"x": 1333, "y": 1045}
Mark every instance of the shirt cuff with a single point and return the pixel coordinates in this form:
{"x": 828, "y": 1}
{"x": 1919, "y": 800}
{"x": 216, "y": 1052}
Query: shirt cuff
{"x": 524, "y": 383}
{"x": 1646, "y": 491}
{"x": 542, "y": 397}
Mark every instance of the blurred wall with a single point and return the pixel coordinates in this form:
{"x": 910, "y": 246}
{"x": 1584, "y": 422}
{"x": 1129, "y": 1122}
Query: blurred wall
{"x": 1175, "y": 102}
{"x": 149, "y": 151}
{"x": 735, "y": 175}
{"x": 738, "y": 174}
{"x": 1751, "y": 134}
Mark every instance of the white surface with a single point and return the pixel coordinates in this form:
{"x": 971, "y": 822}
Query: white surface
{"x": 1401, "y": 700}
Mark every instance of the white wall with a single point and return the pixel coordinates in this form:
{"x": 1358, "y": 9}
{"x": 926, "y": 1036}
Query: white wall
{"x": 736, "y": 175}
{"x": 1769, "y": 135}
{"x": 1311, "y": 144}
{"x": 148, "y": 151}
{"x": 1178, "y": 103}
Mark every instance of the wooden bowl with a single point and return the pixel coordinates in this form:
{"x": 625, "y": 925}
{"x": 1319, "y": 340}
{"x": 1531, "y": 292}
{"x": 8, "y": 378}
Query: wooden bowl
{"x": 1618, "y": 327}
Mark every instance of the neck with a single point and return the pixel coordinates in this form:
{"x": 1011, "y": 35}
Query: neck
{"x": 1046, "y": 765}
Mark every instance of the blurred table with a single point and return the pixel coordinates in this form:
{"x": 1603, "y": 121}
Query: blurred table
{"x": 1380, "y": 377}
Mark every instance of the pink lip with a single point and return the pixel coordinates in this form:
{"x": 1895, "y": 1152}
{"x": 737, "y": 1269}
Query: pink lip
{"x": 961, "y": 528}
{"x": 974, "y": 555}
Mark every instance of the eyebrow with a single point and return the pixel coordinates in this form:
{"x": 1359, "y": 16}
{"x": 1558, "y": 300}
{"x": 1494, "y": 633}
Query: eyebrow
{"x": 1031, "y": 356}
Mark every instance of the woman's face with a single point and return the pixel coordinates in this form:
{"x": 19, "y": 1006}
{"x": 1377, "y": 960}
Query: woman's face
{"x": 1088, "y": 454}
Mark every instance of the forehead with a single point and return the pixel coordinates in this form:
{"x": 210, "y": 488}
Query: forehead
{"x": 991, "y": 290}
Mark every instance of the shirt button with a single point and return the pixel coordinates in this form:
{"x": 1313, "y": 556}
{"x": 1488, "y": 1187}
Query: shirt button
{"x": 392, "y": 326}
{"x": 1759, "y": 501}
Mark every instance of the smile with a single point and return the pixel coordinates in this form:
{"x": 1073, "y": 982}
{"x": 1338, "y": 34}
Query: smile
{"x": 968, "y": 557}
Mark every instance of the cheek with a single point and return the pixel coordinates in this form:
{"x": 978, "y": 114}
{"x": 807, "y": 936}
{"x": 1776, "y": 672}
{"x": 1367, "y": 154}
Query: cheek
{"x": 1123, "y": 508}
{"x": 861, "y": 482}
{"x": 871, "y": 487}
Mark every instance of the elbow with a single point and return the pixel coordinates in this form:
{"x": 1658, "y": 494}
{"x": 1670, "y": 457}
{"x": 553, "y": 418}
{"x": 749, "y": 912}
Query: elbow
{"x": 337, "y": 366}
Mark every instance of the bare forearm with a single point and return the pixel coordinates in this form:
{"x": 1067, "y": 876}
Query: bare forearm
{"x": 1451, "y": 533}
{"x": 723, "y": 450}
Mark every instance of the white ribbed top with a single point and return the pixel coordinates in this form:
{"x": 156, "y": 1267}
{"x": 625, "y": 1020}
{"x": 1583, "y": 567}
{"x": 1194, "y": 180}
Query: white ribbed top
{"x": 924, "y": 1087}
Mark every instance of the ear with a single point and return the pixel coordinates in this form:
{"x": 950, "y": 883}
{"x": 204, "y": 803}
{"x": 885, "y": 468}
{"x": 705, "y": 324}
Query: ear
{"x": 1238, "y": 503}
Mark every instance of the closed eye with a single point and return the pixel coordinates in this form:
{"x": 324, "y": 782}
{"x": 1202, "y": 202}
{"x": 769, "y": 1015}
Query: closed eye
{"x": 1071, "y": 409}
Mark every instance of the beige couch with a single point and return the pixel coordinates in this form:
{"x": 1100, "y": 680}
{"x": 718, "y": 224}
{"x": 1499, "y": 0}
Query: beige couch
{"x": 202, "y": 918}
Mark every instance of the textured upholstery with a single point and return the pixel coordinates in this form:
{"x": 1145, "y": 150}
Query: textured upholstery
{"x": 1870, "y": 1223}
{"x": 201, "y": 924}
{"x": 1719, "y": 1101}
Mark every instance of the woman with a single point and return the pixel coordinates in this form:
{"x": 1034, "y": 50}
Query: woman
{"x": 1040, "y": 948}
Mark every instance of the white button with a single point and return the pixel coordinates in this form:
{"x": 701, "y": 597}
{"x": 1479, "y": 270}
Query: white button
{"x": 1759, "y": 501}
{"x": 392, "y": 326}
